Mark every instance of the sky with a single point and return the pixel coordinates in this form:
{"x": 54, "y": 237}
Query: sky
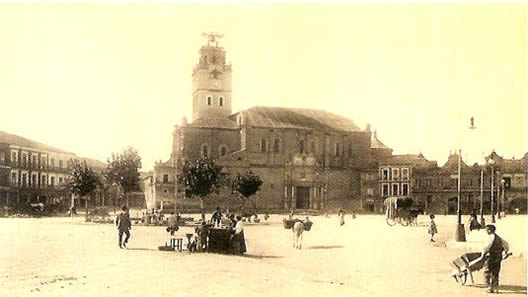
{"x": 94, "y": 78}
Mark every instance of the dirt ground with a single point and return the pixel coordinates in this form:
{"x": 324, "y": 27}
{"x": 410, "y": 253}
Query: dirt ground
{"x": 365, "y": 257}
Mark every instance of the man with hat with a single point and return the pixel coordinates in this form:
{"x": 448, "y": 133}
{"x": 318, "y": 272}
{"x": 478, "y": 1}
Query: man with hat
{"x": 492, "y": 253}
{"x": 123, "y": 226}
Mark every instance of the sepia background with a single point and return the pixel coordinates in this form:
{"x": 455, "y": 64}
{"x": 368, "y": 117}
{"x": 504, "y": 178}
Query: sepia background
{"x": 92, "y": 78}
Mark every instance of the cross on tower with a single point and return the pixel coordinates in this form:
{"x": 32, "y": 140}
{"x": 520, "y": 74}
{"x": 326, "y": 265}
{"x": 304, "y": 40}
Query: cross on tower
{"x": 212, "y": 37}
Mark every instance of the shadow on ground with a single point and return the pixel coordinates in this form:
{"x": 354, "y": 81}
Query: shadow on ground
{"x": 324, "y": 247}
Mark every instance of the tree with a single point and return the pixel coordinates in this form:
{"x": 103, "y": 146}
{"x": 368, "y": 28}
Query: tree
{"x": 201, "y": 179}
{"x": 123, "y": 170}
{"x": 82, "y": 180}
{"x": 247, "y": 185}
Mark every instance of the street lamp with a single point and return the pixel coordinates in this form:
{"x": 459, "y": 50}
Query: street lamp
{"x": 492, "y": 190}
{"x": 460, "y": 234}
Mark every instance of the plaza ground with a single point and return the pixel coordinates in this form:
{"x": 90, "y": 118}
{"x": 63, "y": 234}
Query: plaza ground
{"x": 365, "y": 257}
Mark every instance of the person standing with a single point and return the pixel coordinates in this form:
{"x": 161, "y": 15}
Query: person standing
{"x": 492, "y": 255}
{"x": 341, "y": 215}
{"x": 238, "y": 240}
{"x": 123, "y": 226}
{"x": 432, "y": 227}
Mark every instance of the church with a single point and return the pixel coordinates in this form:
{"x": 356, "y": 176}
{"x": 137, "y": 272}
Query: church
{"x": 307, "y": 159}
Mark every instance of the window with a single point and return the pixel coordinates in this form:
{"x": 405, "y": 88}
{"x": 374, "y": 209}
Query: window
{"x": 395, "y": 189}
{"x": 44, "y": 180}
{"x": 263, "y": 145}
{"x": 507, "y": 182}
{"x": 385, "y": 174}
{"x": 209, "y": 100}
{"x": 405, "y": 189}
{"x": 60, "y": 180}
{"x": 14, "y": 178}
{"x": 384, "y": 190}
{"x": 165, "y": 178}
{"x": 312, "y": 147}
{"x": 52, "y": 181}
{"x": 24, "y": 179}
{"x": 60, "y": 164}
{"x": 350, "y": 150}
{"x": 395, "y": 173}
{"x": 221, "y": 101}
{"x": 34, "y": 180}
{"x": 42, "y": 162}
{"x": 2, "y": 157}
{"x": 14, "y": 159}
{"x": 52, "y": 163}
{"x": 405, "y": 173}
{"x": 276, "y": 145}
{"x": 301, "y": 146}
{"x": 336, "y": 149}
{"x": 223, "y": 151}
{"x": 35, "y": 161}
{"x": 205, "y": 151}
{"x": 24, "y": 160}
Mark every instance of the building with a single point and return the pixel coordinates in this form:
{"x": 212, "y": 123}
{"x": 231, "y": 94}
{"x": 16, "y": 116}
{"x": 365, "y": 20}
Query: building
{"x": 436, "y": 188}
{"x": 32, "y": 172}
{"x": 308, "y": 159}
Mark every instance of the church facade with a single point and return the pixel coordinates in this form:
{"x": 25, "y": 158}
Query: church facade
{"x": 307, "y": 159}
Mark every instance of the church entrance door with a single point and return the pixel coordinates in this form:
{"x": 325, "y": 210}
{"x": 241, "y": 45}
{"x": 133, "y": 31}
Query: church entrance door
{"x": 303, "y": 197}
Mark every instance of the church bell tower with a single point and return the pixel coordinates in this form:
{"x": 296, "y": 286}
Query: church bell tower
{"x": 211, "y": 78}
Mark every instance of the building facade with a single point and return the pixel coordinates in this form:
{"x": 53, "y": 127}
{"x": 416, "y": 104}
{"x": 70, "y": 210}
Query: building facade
{"x": 308, "y": 159}
{"x": 32, "y": 172}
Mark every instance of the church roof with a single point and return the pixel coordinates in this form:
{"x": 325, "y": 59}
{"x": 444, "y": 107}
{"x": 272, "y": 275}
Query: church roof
{"x": 375, "y": 143}
{"x": 298, "y": 118}
{"x": 222, "y": 123}
{"x": 27, "y": 143}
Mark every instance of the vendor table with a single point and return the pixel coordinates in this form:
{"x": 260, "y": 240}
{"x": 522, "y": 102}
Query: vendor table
{"x": 220, "y": 241}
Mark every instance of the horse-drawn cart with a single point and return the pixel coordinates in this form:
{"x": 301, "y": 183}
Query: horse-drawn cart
{"x": 400, "y": 210}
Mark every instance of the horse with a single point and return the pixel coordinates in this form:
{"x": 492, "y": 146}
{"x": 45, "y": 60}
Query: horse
{"x": 298, "y": 229}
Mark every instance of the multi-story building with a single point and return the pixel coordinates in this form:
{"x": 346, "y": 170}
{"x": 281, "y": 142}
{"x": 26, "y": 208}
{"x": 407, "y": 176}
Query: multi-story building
{"x": 308, "y": 159}
{"x": 33, "y": 172}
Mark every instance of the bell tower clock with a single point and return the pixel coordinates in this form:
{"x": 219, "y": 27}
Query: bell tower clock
{"x": 211, "y": 89}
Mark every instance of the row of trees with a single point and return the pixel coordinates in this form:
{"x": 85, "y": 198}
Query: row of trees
{"x": 122, "y": 171}
{"x": 201, "y": 178}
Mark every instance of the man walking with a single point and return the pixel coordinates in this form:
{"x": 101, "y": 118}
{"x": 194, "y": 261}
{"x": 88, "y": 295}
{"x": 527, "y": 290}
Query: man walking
{"x": 123, "y": 226}
{"x": 493, "y": 257}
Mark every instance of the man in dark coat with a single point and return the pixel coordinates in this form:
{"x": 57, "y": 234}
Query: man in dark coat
{"x": 123, "y": 226}
{"x": 492, "y": 253}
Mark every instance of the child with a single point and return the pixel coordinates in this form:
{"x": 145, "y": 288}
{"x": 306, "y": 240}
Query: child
{"x": 432, "y": 228}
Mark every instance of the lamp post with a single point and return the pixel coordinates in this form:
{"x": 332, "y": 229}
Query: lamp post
{"x": 482, "y": 222}
{"x": 503, "y": 182}
{"x": 492, "y": 190}
{"x": 460, "y": 234}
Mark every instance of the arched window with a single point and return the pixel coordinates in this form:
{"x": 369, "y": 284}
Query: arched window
{"x": 205, "y": 151}
{"x": 301, "y": 146}
{"x": 209, "y": 100}
{"x": 312, "y": 147}
{"x": 276, "y": 145}
{"x": 263, "y": 145}
{"x": 223, "y": 151}
{"x": 221, "y": 101}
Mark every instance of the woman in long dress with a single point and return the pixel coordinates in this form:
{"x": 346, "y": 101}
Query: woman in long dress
{"x": 341, "y": 215}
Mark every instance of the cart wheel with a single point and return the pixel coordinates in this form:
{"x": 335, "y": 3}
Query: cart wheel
{"x": 390, "y": 222}
{"x": 462, "y": 278}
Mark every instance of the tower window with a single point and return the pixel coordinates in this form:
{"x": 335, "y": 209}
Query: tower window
{"x": 221, "y": 101}
{"x": 263, "y": 145}
{"x": 205, "y": 151}
{"x": 223, "y": 151}
{"x": 276, "y": 145}
{"x": 209, "y": 100}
